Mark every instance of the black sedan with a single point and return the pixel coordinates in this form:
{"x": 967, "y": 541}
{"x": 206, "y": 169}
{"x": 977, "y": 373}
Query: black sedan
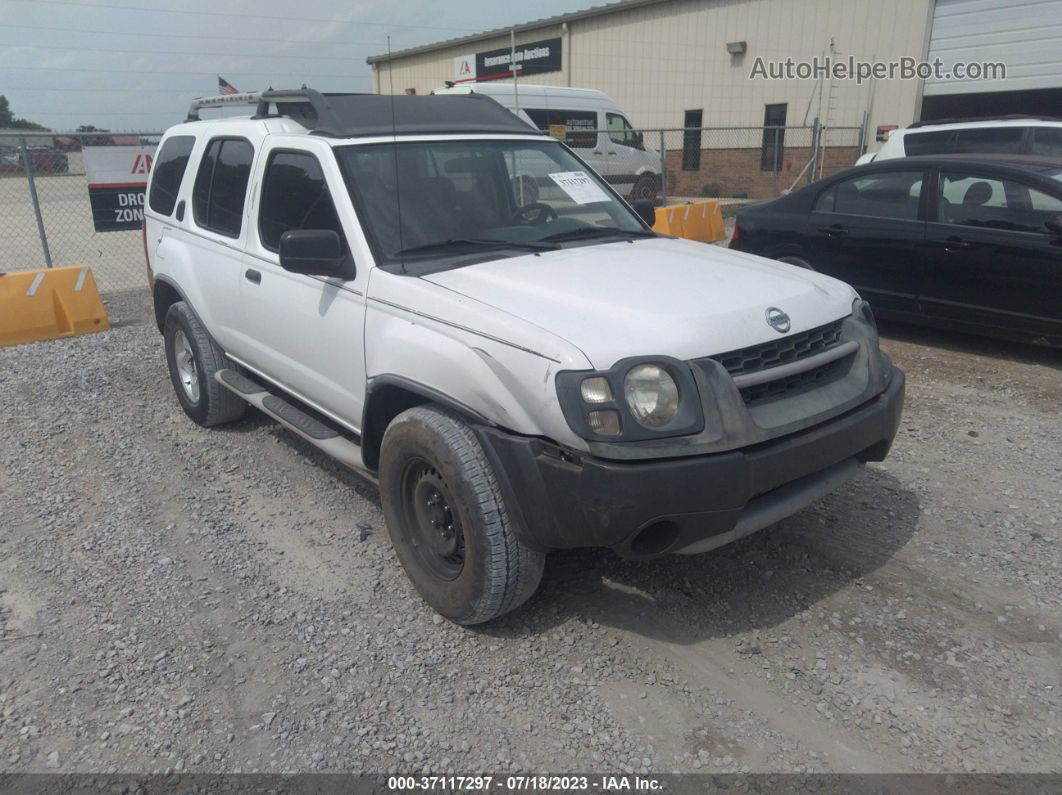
{"x": 972, "y": 243}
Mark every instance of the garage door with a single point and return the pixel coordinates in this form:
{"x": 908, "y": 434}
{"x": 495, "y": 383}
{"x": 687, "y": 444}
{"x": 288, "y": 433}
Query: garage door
{"x": 1023, "y": 34}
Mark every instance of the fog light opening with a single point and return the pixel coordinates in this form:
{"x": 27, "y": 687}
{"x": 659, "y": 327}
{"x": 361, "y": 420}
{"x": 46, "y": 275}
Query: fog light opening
{"x": 654, "y": 539}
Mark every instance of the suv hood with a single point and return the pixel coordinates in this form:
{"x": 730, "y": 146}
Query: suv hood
{"x": 654, "y": 296}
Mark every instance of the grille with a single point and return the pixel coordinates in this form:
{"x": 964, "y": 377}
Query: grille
{"x": 793, "y": 385}
{"x": 781, "y": 351}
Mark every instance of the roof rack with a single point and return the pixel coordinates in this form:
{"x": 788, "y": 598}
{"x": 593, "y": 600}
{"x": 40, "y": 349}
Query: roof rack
{"x": 360, "y": 115}
{"x": 1011, "y": 117}
{"x": 295, "y": 100}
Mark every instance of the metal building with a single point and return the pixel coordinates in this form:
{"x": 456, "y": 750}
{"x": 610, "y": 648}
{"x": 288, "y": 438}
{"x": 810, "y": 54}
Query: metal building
{"x": 684, "y": 63}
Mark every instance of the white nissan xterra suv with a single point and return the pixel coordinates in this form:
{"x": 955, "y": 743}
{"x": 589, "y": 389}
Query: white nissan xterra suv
{"x": 518, "y": 376}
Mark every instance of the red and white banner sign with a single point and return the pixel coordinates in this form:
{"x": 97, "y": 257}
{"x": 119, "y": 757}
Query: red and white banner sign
{"x": 117, "y": 176}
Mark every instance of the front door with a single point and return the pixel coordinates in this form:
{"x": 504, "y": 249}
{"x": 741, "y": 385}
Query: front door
{"x": 869, "y": 232}
{"x": 304, "y": 333}
{"x": 992, "y": 261}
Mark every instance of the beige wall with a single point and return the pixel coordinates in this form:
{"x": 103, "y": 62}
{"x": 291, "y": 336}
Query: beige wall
{"x": 659, "y": 60}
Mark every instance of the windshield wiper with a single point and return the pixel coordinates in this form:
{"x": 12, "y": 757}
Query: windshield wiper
{"x": 528, "y": 245}
{"x": 598, "y": 231}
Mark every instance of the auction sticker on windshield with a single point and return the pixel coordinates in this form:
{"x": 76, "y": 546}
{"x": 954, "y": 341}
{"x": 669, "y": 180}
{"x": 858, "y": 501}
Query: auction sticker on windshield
{"x": 579, "y": 187}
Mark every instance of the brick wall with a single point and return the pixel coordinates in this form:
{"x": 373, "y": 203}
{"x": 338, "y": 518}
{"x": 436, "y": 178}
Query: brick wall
{"x": 737, "y": 171}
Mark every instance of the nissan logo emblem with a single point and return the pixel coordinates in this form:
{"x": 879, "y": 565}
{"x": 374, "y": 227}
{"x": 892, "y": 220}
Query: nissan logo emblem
{"x": 777, "y": 319}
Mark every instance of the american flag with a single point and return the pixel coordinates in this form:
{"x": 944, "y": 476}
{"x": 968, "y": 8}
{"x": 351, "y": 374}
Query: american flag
{"x": 225, "y": 87}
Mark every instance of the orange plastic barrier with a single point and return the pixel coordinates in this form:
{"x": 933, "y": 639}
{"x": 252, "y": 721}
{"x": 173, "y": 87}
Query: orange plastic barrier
{"x": 700, "y": 220}
{"x": 47, "y": 304}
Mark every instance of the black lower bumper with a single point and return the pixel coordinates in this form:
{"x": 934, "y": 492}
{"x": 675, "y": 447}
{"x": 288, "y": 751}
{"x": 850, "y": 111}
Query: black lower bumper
{"x": 564, "y": 500}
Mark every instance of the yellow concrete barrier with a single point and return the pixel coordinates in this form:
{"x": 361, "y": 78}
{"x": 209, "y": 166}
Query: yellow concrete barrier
{"x": 700, "y": 220}
{"x": 47, "y": 304}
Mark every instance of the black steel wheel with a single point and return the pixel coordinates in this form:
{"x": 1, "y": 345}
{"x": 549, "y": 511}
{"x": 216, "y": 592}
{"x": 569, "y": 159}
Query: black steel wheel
{"x": 428, "y": 510}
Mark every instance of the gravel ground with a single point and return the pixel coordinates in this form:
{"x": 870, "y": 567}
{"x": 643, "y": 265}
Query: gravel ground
{"x": 173, "y": 598}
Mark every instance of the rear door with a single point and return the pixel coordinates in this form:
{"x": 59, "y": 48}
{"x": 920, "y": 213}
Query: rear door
{"x": 991, "y": 260}
{"x": 869, "y": 231}
{"x": 217, "y": 228}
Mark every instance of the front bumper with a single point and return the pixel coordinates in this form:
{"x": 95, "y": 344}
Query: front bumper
{"x": 644, "y": 508}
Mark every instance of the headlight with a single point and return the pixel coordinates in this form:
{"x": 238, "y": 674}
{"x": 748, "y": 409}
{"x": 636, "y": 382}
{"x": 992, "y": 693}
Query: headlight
{"x": 652, "y": 395}
{"x": 637, "y": 399}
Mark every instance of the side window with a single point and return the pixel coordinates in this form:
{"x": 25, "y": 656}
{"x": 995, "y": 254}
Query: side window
{"x": 168, "y": 171}
{"x": 893, "y": 194}
{"x": 994, "y": 203}
{"x": 221, "y": 185}
{"x": 772, "y": 147}
{"x": 295, "y": 196}
{"x": 580, "y": 124}
{"x": 995, "y": 140}
{"x": 1047, "y": 141}
{"x": 941, "y": 142}
{"x": 691, "y": 140}
{"x": 620, "y": 131}
{"x": 539, "y": 116}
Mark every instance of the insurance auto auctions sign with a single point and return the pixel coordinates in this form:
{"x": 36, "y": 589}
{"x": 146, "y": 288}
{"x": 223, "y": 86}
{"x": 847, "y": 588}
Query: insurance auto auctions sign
{"x": 534, "y": 58}
{"x": 117, "y": 176}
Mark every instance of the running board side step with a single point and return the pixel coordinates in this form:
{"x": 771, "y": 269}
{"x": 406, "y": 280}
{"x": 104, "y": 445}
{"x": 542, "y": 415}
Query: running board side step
{"x": 317, "y": 433}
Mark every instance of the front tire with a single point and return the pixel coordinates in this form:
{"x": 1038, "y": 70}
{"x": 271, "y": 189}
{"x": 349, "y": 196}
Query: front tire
{"x": 193, "y": 359}
{"x": 448, "y": 521}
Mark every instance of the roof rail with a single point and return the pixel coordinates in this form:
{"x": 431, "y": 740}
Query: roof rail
{"x": 1010, "y": 117}
{"x": 243, "y": 98}
{"x": 323, "y": 115}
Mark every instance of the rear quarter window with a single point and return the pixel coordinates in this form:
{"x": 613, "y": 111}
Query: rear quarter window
{"x": 940, "y": 142}
{"x": 168, "y": 172}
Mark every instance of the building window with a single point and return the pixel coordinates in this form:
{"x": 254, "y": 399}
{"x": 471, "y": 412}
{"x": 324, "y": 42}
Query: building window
{"x": 691, "y": 141}
{"x": 772, "y": 150}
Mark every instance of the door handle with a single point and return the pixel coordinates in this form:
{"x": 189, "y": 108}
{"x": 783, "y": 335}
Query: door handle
{"x": 836, "y": 230}
{"x": 595, "y": 152}
{"x": 612, "y": 153}
{"x": 953, "y": 244}
{"x": 252, "y": 275}
{"x": 180, "y": 210}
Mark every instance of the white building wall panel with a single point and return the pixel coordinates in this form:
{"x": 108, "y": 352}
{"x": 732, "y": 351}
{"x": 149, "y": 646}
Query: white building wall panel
{"x": 1024, "y": 35}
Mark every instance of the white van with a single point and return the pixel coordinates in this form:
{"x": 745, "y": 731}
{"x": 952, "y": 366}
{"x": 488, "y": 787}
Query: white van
{"x": 597, "y": 129}
{"x": 1005, "y": 136}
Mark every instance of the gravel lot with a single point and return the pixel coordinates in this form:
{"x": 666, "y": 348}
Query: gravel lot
{"x": 173, "y": 598}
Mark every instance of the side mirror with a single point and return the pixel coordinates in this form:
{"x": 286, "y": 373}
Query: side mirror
{"x": 639, "y": 140}
{"x": 314, "y": 252}
{"x": 646, "y": 210}
{"x": 1053, "y": 224}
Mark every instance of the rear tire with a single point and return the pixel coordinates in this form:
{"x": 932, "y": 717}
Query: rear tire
{"x": 193, "y": 359}
{"x": 448, "y": 521}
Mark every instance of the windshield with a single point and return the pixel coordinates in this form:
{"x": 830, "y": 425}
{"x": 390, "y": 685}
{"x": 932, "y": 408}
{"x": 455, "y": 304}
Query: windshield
{"x": 494, "y": 198}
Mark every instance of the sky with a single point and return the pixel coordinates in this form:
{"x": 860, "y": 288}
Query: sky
{"x": 135, "y": 65}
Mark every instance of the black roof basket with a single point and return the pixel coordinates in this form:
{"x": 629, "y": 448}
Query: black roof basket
{"x": 308, "y": 106}
{"x": 351, "y": 115}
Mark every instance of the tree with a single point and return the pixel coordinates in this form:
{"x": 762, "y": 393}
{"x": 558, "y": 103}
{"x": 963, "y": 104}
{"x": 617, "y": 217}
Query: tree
{"x": 8, "y": 120}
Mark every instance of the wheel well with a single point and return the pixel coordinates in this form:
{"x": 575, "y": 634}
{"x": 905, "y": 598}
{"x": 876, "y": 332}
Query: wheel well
{"x": 388, "y": 397}
{"x": 384, "y": 403}
{"x": 164, "y": 296}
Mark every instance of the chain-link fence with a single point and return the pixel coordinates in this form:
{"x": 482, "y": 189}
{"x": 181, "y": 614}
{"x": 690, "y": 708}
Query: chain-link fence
{"x": 753, "y": 163}
{"x": 69, "y": 199}
{"x": 75, "y": 199}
